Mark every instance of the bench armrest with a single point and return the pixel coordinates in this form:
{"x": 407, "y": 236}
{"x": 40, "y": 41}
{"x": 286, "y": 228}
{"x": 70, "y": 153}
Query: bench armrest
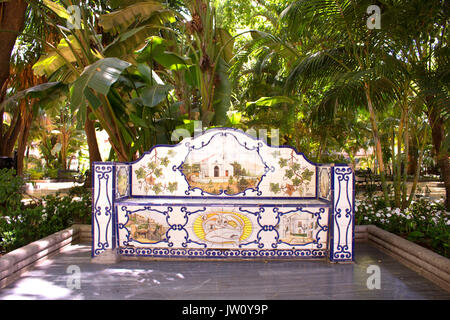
{"x": 103, "y": 190}
{"x": 342, "y": 216}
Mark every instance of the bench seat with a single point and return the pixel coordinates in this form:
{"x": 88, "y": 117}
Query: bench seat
{"x": 223, "y": 194}
{"x": 220, "y": 202}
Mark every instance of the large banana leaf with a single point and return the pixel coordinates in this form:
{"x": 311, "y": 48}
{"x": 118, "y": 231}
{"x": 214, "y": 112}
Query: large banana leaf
{"x": 156, "y": 49}
{"x": 154, "y": 95}
{"x": 155, "y": 46}
{"x": 99, "y": 76}
{"x": 117, "y": 4}
{"x": 148, "y": 75}
{"x": 130, "y": 40}
{"x": 57, "y": 8}
{"x": 270, "y": 101}
{"x": 49, "y": 64}
{"x": 49, "y": 90}
{"x": 119, "y": 21}
{"x": 226, "y": 41}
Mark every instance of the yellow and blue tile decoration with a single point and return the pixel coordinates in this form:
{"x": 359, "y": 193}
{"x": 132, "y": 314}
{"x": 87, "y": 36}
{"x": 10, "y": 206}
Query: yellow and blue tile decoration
{"x": 223, "y": 194}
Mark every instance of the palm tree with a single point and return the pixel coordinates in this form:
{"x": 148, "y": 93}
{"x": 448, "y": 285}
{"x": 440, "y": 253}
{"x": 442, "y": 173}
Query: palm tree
{"x": 419, "y": 39}
{"x": 347, "y": 60}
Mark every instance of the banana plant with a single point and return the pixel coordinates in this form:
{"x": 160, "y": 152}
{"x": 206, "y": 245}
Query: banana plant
{"x": 83, "y": 60}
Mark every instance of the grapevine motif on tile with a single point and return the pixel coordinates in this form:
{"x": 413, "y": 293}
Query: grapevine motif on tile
{"x": 142, "y": 208}
{"x": 296, "y": 176}
{"x": 150, "y": 177}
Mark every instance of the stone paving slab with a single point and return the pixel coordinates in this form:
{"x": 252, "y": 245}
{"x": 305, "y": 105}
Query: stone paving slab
{"x": 221, "y": 280}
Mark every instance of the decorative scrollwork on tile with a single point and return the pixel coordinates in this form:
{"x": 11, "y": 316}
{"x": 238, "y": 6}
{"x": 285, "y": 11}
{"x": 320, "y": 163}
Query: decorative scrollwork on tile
{"x": 343, "y": 214}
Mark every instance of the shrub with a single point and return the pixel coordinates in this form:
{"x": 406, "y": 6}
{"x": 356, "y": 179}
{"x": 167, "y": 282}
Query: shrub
{"x": 425, "y": 221}
{"x": 35, "y": 174}
{"x": 11, "y": 191}
{"x": 21, "y": 224}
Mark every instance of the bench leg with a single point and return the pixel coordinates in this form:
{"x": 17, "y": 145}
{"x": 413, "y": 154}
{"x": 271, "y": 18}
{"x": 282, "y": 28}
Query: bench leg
{"x": 342, "y": 216}
{"x": 102, "y": 208}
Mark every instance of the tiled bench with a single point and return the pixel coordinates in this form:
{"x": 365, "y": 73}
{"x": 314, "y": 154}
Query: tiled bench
{"x": 223, "y": 194}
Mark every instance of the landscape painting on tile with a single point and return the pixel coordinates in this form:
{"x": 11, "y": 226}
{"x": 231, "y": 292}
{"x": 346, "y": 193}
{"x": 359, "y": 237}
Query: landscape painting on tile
{"x": 301, "y": 228}
{"x": 224, "y": 165}
{"x": 145, "y": 227}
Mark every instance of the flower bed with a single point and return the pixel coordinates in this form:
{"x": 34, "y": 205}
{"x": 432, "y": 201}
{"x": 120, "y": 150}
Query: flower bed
{"x": 22, "y": 223}
{"x": 424, "y": 222}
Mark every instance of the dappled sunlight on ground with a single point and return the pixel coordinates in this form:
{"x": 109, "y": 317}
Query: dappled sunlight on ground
{"x": 38, "y": 289}
{"x": 210, "y": 280}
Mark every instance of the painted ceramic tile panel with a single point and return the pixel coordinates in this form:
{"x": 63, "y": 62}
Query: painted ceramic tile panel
{"x": 146, "y": 229}
{"x": 102, "y": 207}
{"x": 224, "y": 165}
{"x": 292, "y": 174}
{"x": 304, "y": 227}
{"x": 222, "y": 228}
{"x": 154, "y": 173}
{"x": 325, "y": 183}
{"x": 122, "y": 181}
{"x": 141, "y": 226}
{"x": 343, "y": 214}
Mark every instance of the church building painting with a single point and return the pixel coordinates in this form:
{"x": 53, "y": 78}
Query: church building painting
{"x": 216, "y": 169}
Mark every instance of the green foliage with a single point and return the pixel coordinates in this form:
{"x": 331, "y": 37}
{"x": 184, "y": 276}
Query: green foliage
{"x": 147, "y": 176}
{"x": 173, "y": 186}
{"x": 275, "y": 188}
{"x": 11, "y": 190}
{"x": 35, "y": 174}
{"x": 425, "y": 222}
{"x": 242, "y": 184}
{"x": 22, "y": 224}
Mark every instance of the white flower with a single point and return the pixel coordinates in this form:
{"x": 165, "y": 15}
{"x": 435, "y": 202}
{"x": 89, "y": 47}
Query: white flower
{"x": 388, "y": 215}
{"x": 397, "y": 211}
{"x": 448, "y": 222}
{"x": 378, "y": 214}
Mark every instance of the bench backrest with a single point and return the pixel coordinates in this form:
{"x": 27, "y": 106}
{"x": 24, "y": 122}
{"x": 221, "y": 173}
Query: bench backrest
{"x": 223, "y": 162}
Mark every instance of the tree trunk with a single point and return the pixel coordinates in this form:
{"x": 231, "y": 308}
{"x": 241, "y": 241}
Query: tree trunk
{"x": 421, "y": 151}
{"x": 377, "y": 142}
{"x": 437, "y": 136}
{"x": 413, "y": 155}
{"x": 9, "y": 137}
{"x": 23, "y": 136}
{"x": 91, "y": 137}
{"x": 11, "y": 19}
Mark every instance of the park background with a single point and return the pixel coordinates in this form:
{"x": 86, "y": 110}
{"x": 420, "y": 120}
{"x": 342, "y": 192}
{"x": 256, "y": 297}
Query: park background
{"x": 357, "y": 82}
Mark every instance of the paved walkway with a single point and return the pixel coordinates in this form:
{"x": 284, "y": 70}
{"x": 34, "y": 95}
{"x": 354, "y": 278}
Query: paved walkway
{"x": 211, "y": 280}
